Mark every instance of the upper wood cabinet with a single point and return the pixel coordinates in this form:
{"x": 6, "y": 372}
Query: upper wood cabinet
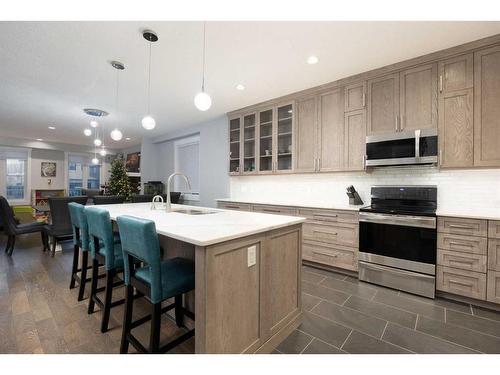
{"x": 487, "y": 107}
{"x": 235, "y": 145}
{"x": 383, "y": 104}
{"x": 354, "y": 140}
{"x": 456, "y": 130}
{"x": 249, "y": 143}
{"x": 355, "y": 97}
{"x": 418, "y": 98}
{"x": 306, "y": 134}
{"x": 331, "y": 130}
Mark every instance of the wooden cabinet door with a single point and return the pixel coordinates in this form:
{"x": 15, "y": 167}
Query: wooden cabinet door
{"x": 418, "y": 98}
{"x": 355, "y": 97}
{"x": 306, "y": 135}
{"x": 487, "y": 107}
{"x": 331, "y": 130}
{"x": 383, "y": 104}
{"x": 235, "y": 146}
{"x": 456, "y": 128}
{"x": 354, "y": 140}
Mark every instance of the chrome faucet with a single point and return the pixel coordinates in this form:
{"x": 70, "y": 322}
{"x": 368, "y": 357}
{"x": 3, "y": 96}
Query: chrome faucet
{"x": 168, "y": 206}
{"x": 153, "y": 202}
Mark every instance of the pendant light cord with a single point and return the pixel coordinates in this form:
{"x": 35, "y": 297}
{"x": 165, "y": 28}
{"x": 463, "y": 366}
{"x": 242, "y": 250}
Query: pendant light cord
{"x": 204, "y": 45}
{"x": 149, "y": 80}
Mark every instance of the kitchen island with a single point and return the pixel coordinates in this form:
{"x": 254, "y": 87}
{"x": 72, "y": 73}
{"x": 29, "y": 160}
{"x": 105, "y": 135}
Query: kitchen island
{"x": 248, "y": 287}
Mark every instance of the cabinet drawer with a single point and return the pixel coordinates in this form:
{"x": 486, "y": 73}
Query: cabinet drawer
{"x": 277, "y": 210}
{"x": 493, "y": 294}
{"x": 465, "y": 283}
{"x": 465, "y": 261}
{"x": 494, "y": 229}
{"x": 465, "y": 244}
{"x": 341, "y": 234}
{"x": 332, "y": 255}
{"x": 234, "y": 206}
{"x": 469, "y": 227}
{"x": 332, "y": 216}
{"x": 494, "y": 254}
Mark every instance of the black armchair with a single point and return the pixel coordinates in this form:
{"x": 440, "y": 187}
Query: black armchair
{"x": 108, "y": 199}
{"x": 12, "y": 227}
{"x": 61, "y": 228}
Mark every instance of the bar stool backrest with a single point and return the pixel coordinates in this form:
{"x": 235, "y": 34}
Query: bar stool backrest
{"x": 101, "y": 235}
{"x": 59, "y": 213}
{"x": 79, "y": 224}
{"x": 140, "y": 242}
{"x": 8, "y": 218}
{"x": 108, "y": 199}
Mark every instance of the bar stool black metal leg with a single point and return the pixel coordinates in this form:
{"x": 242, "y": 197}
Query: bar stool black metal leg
{"x": 93, "y": 285}
{"x": 154, "y": 338}
{"x": 127, "y": 318}
{"x": 44, "y": 240}
{"x": 83, "y": 275}
{"x": 12, "y": 244}
{"x": 76, "y": 255}
{"x": 179, "y": 311}
{"x": 54, "y": 244}
{"x": 110, "y": 275}
{"x": 7, "y": 245}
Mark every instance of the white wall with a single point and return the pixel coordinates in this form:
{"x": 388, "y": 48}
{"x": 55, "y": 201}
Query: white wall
{"x": 477, "y": 190}
{"x": 37, "y": 181}
{"x": 157, "y": 158}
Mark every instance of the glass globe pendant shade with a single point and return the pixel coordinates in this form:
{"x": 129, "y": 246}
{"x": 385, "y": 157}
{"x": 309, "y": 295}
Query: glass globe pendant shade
{"x": 148, "y": 123}
{"x": 102, "y": 152}
{"x": 95, "y": 161}
{"x": 97, "y": 142}
{"x": 116, "y": 135}
{"x": 94, "y": 123}
{"x": 87, "y": 132}
{"x": 202, "y": 101}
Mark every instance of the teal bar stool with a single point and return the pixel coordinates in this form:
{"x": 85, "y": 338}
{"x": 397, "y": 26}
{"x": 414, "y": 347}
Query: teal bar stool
{"x": 80, "y": 243}
{"x": 157, "y": 280}
{"x": 105, "y": 248}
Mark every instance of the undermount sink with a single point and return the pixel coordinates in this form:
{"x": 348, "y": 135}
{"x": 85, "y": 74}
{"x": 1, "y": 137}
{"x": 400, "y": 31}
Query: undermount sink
{"x": 193, "y": 212}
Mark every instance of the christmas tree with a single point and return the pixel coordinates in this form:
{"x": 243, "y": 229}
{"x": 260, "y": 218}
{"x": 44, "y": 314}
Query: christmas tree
{"x": 118, "y": 181}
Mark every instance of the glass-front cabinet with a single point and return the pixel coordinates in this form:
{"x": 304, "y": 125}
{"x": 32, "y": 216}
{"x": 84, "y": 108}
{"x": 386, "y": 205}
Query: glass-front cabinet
{"x": 262, "y": 141}
{"x": 234, "y": 145}
{"x": 249, "y": 143}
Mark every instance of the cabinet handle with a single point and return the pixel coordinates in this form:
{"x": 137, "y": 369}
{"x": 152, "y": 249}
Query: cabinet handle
{"x": 315, "y": 168}
{"x": 323, "y": 232}
{"x": 326, "y": 215}
{"x": 397, "y": 128}
{"x": 319, "y": 164}
{"x": 461, "y": 226}
{"x": 440, "y": 158}
{"x": 458, "y": 282}
{"x": 326, "y": 254}
{"x": 364, "y": 100}
{"x": 270, "y": 210}
{"x": 460, "y": 243}
{"x": 441, "y": 83}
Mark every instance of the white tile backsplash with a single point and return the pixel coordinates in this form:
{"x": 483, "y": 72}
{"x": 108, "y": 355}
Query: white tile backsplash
{"x": 465, "y": 189}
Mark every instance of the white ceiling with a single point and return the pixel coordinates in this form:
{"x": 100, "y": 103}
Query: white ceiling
{"x": 50, "y": 71}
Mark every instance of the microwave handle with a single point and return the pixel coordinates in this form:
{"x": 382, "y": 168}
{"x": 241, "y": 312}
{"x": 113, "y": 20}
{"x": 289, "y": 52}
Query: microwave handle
{"x": 417, "y": 143}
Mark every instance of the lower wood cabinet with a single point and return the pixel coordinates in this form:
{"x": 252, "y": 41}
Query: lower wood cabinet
{"x": 464, "y": 261}
{"x": 465, "y": 226}
{"x": 464, "y": 244}
{"x": 234, "y": 206}
{"x": 339, "y": 233}
{"x": 493, "y": 294}
{"x": 458, "y": 281}
{"x": 494, "y": 229}
{"x": 278, "y": 210}
{"x": 332, "y": 255}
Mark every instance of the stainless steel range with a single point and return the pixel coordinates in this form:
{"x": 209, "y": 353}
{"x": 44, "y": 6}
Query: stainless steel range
{"x": 397, "y": 238}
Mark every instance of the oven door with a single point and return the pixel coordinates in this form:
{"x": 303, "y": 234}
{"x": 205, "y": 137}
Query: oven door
{"x": 405, "y": 148}
{"x": 400, "y": 241}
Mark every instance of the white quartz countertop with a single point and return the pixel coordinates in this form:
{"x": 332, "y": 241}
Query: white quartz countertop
{"x": 203, "y": 230}
{"x": 490, "y": 214}
{"x": 302, "y": 204}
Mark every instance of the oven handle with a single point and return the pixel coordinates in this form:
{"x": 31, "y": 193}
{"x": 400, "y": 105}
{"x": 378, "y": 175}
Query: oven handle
{"x": 403, "y": 220}
{"x": 377, "y": 267}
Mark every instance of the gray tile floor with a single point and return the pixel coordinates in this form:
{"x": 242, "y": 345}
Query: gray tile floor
{"x": 39, "y": 314}
{"x": 344, "y": 315}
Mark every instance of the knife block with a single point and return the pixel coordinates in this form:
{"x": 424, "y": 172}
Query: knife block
{"x": 355, "y": 199}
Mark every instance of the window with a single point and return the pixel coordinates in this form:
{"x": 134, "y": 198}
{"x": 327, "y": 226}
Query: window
{"x": 15, "y": 178}
{"x": 93, "y": 181}
{"x": 75, "y": 175}
{"x": 187, "y": 161}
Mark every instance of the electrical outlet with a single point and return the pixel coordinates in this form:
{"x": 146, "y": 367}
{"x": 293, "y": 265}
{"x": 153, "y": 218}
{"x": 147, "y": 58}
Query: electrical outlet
{"x": 252, "y": 255}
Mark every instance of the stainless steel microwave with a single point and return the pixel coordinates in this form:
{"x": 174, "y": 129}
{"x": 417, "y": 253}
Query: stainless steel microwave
{"x": 404, "y": 148}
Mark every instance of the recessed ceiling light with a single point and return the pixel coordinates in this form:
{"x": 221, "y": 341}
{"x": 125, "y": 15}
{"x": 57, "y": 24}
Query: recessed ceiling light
{"x": 52, "y": 127}
{"x": 311, "y": 60}
{"x": 39, "y": 139}
{"x": 240, "y": 87}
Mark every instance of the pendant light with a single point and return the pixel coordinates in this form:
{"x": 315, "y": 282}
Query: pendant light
{"x": 148, "y": 122}
{"x": 202, "y": 100}
{"x": 116, "y": 135}
{"x": 95, "y": 161}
